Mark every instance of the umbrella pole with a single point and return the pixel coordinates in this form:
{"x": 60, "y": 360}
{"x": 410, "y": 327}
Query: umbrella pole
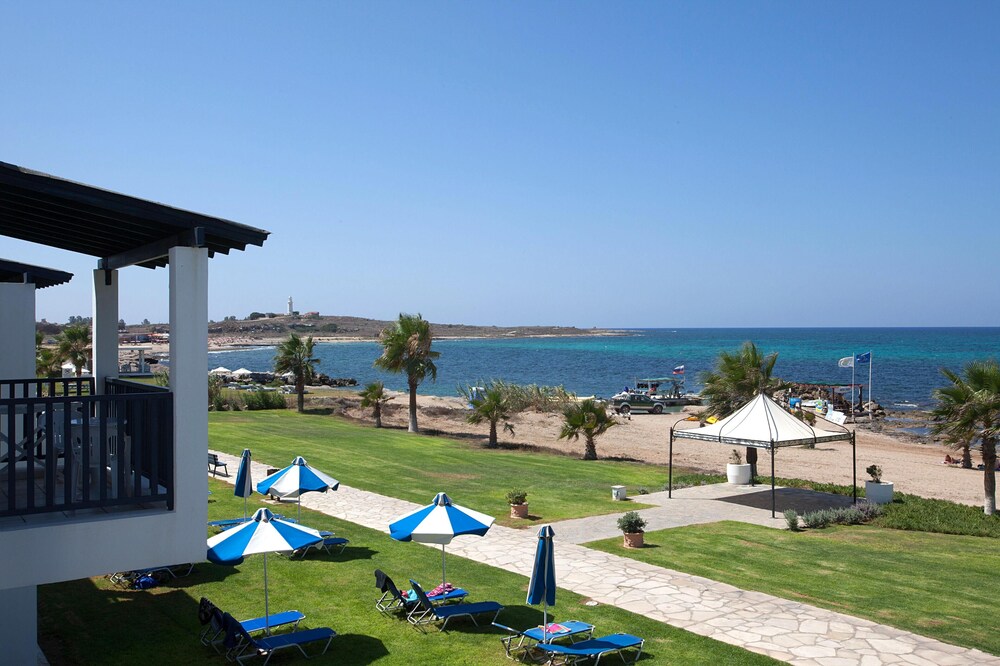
{"x": 443, "y": 579}
{"x": 267, "y": 613}
{"x": 298, "y": 510}
{"x": 244, "y": 509}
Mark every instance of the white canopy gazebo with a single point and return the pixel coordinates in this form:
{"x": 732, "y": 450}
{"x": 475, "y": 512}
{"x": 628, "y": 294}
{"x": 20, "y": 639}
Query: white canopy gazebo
{"x": 763, "y": 424}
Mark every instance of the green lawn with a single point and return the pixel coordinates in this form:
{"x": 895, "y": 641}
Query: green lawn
{"x": 93, "y": 622}
{"x": 938, "y": 585}
{"x": 416, "y": 467}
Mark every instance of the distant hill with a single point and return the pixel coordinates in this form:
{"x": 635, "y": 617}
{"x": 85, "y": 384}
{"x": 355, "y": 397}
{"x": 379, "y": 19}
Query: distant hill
{"x": 358, "y": 327}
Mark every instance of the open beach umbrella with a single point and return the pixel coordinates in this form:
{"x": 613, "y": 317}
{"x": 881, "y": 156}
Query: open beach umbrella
{"x": 296, "y": 479}
{"x": 242, "y": 372}
{"x": 439, "y": 522}
{"x": 244, "y": 484}
{"x": 262, "y": 534}
{"x": 220, "y": 371}
{"x": 542, "y": 588}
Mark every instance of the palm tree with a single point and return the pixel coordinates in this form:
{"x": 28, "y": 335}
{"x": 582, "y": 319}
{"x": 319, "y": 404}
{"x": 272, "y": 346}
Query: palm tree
{"x": 495, "y": 402}
{"x": 969, "y": 407}
{"x": 588, "y": 418}
{"x": 295, "y": 355}
{"x": 47, "y": 363}
{"x": 737, "y": 378}
{"x": 74, "y": 346}
{"x": 406, "y": 347}
{"x": 373, "y": 396}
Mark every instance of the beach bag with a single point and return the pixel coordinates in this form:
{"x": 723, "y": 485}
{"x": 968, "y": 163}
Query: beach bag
{"x": 145, "y": 582}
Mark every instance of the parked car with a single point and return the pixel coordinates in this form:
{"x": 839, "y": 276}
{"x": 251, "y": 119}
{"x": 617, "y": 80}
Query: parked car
{"x": 636, "y": 402}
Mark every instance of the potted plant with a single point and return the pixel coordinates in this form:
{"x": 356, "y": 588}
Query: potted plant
{"x": 632, "y": 525}
{"x": 877, "y": 491}
{"x": 518, "y": 500}
{"x": 737, "y": 473}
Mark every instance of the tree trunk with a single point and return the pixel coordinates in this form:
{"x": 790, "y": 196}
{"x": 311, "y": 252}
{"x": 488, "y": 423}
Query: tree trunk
{"x": 989, "y": 476}
{"x": 752, "y": 461}
{"x": 413, "y": 408}
{"x": 300, "y": 389}
{"x": 590, "y": 451}
{"x": 966, "y": 456}
{"x": 493, "y": 435}
{"x": 378, "y": 415}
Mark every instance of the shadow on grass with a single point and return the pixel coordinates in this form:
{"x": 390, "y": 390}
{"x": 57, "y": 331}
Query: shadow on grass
{"x": 350, "y": 553}
{"x": 357, "y": 649}
{"x": 203, "y": 573}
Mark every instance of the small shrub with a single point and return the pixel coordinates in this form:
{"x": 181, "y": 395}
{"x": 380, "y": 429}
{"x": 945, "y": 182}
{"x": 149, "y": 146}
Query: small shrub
{"x": 631, "y": 523}
{"x": 736, "y": 458}
{"x": 255, "y": 400}
{"x": 643, "y": 490}
{"x": 516, "y": 496}
{"x": 875, "y": 472}
{"x": 792, "y": 520}
{"x": 816, "y": 519}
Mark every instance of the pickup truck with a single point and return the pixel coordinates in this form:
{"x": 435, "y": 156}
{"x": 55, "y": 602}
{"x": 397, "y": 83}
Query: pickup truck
{"x": 636, "y": 402}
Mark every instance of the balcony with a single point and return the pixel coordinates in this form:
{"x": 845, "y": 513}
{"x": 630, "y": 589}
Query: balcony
{"x": 63, "y": 448}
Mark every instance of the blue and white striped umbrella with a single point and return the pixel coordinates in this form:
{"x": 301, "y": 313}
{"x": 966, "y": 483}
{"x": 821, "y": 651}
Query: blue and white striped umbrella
{"x": 261, "y": 534}
{"x": 296, "y": 479}
{"x": 440, "y": 522}
{"x": 244, "y": 483}
{"x": 542, "y": 587}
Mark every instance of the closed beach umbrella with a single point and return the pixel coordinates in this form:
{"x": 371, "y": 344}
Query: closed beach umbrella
{"x": 440, "y": 522}
{"x": 262, "y": 534}
{"x": 542, "y": 588}
{"x": 296, "y": 479}
{"x": 244, "y": 484}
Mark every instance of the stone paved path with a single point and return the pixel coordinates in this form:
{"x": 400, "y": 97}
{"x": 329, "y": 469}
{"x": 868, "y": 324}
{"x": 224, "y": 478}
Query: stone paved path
{"x": 787, "y": 630}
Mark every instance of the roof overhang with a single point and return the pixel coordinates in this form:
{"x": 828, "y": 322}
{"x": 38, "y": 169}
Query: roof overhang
{"x": 118, "y": 229}
{"x": 41, "y": 277}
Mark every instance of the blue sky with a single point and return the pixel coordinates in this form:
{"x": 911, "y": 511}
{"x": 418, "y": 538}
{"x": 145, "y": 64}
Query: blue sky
{"x": 565, "y": 163}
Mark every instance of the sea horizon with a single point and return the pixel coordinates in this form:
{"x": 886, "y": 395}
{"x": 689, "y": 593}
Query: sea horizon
{"x": 906, "y": 361}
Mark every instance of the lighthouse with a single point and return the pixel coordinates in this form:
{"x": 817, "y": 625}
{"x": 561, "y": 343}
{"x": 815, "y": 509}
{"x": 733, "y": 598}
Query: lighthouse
{"x": 290, "y": 308}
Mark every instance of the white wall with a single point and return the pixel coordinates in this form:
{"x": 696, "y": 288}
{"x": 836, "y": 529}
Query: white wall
{"x": 105, "y": 332}
{"x": 189, "y": 382}
{"x": 17, "y": 331}
{"x": 52, "y": 548}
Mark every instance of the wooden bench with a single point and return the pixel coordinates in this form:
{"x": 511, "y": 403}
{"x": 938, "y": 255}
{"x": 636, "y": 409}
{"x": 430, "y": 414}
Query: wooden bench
{"x": 214, "y": 463}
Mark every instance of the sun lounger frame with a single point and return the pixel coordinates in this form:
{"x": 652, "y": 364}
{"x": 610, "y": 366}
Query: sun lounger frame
{"x": 425, "y": 612}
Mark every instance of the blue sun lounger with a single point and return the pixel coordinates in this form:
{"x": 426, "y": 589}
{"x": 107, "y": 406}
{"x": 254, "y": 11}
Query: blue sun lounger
{"x": 425, "y": 612}
{"x": 571, "y": 629}
{"x": 392, "y": 600}
{"x": 249, "y": 647}
{"x": 214, "y": 632}
{"x": 595, "y": 648}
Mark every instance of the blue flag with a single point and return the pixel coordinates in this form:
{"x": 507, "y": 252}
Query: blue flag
{"x": 863, "y": 358}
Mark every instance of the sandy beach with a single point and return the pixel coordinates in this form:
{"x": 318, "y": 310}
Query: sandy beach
{"x": 914, "y": 468}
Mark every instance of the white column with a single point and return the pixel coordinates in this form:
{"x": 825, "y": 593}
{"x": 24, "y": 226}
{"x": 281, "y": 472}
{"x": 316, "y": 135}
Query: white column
{"x": 17, "y": 330}
{"x": 105, "y": 333}
{"x": 19, "y": 625}
{"x": 189, "y": 383}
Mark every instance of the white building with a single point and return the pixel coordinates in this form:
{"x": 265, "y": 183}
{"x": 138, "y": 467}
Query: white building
{"x": 127, "y": 488}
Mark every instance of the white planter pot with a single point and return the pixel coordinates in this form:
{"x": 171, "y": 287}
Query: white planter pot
{"x": 879, "y": 493}
{"x": 738, "y": 475}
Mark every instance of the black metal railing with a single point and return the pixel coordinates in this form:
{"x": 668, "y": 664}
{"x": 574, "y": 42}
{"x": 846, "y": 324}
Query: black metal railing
{"x": 63, "y": 448}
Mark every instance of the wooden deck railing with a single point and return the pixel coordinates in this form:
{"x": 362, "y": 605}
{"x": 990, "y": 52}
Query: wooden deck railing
{"x": 63, "y": 448}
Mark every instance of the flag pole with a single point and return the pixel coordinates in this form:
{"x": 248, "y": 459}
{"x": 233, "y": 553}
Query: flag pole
{"x": 871, "y": 400}
{"x": 854, "y": 419}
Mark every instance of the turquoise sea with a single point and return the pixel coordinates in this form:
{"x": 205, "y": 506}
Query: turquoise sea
{"x": 906, "y": 362}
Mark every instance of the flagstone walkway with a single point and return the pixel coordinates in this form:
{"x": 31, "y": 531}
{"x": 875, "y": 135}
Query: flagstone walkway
{"x": 787, "y": 630}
